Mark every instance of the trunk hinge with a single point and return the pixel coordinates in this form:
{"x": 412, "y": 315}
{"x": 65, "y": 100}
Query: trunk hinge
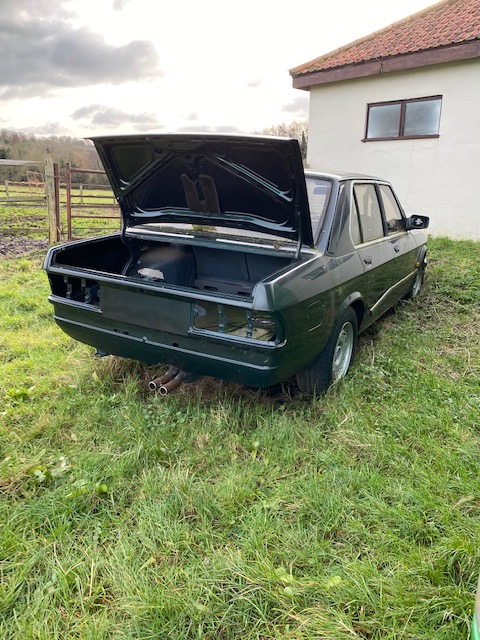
{"x": 299, "y": 232}
{"x": 129, "y": 244}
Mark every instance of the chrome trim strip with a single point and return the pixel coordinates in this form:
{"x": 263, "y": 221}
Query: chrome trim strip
{"x": 388, "y": 292}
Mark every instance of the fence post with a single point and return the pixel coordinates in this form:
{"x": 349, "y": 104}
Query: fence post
{"x": 56, "y": 174}
{"x": 68, "y": 186}
{"x": 50, "y": 196}
{"x": 7, "y": 191}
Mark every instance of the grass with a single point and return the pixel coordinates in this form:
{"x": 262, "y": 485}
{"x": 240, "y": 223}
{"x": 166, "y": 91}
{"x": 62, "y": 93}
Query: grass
{"x": 220, "y": 513}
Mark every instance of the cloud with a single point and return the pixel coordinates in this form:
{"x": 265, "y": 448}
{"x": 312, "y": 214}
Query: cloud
{"x": 41, "y": 53}
{"x": 203, "y": 128}
{"x": 105, "y": 117}
{"x": 119, "y": 5}
{"x": 19, "y": 10}
{"x": 192, "y": 117}
{"x": 298, "y": 107}
{"x": 255, "y": 83}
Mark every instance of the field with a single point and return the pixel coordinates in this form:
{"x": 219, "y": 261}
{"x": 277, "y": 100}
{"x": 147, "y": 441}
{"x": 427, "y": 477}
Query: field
{"x": 223, "y": 513}
{"x": 22, "y": 217}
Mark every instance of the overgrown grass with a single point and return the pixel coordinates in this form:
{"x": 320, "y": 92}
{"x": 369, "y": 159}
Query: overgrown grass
{"x": 219, "y": 513}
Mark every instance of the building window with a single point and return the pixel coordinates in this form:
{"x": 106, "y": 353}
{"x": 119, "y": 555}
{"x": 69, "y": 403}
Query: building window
{"x": 418, "y": 118}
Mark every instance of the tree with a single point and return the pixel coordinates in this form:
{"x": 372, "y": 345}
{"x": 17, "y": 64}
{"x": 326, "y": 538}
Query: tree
{"x": 80, "y": 153}
{"x": 295, "y": 129}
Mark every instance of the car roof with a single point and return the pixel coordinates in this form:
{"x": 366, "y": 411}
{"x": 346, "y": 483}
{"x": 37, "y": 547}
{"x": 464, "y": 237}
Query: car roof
{"x": 341, "y": 175}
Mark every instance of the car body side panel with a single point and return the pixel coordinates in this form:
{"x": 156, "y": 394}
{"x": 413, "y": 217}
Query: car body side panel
{"x": 310, "y": 301}
{"x": 379, "y": 277}
{"x": 406, "y": 256}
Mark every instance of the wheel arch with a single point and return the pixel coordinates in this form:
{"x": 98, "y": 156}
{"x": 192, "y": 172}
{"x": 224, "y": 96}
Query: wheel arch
{"x": 356, "y": 301}
{"x": 337, "y": 355}
{"x": 422, "y": 256}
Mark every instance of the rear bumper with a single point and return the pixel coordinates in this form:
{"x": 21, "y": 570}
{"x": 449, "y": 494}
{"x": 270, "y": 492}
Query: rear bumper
{"x": 233, "y": 360}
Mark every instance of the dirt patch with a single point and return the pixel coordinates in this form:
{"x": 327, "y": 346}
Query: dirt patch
{"x": 14, "y": 246}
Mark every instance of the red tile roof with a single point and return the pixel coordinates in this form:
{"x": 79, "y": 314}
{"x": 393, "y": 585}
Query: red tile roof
{"x": 444, "y": 24}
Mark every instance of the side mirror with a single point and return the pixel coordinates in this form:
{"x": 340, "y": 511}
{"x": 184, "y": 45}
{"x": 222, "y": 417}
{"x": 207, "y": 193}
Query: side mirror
{"x": 417, "y": 222}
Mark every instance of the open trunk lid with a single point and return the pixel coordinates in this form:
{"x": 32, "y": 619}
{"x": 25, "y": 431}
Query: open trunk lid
{"x": 241, "y": 182}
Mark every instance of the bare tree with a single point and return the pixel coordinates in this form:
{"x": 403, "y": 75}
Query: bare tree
{"x": 295, "y": 129}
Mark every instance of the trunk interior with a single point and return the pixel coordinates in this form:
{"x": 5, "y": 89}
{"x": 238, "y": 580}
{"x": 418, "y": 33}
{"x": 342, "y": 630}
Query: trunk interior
{"x": 198, "y": 267}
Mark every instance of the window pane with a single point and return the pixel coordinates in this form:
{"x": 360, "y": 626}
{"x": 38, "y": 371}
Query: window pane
{"x": 384, "y": 121}
{"x": 422, "y": 118}
{"x": 318, "y": 196}
{"x": 369, "y": 210}
{"x": 395, "y": 220}
{"x": 354, "y": 227}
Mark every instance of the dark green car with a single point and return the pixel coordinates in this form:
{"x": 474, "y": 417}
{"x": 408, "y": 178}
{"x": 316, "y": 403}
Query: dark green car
{"x": 475, "y": 635}
{"x": 234, "y": 262}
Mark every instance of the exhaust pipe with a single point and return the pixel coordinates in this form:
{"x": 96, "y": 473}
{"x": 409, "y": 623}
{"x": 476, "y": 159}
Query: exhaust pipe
{"x": 171, "y": 380}
{"x": 174, "y": 383}
{"x": 170, "y": 386}
{"x": 163, "y": 379}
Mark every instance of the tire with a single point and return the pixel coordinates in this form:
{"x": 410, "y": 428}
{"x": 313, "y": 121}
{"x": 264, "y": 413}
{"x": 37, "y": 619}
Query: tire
{"x": 418, "y": 282}
{"x": 336, "y": 358}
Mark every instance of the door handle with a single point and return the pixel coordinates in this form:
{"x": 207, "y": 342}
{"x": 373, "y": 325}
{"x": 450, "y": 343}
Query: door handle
{"x": 368, "y": 261}
{"x": 396, "y": 249}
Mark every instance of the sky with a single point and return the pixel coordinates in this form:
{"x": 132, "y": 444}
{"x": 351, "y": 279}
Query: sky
{"x": 100, "y": 67}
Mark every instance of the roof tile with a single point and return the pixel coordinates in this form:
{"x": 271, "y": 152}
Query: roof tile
{"x": 443, "y": 24}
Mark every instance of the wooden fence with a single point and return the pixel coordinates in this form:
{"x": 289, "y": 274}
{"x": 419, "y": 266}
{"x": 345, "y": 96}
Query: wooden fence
{"x": 62, "y": 201}
{"x": 14, "y": 194}
{"x": 86, "y": 201}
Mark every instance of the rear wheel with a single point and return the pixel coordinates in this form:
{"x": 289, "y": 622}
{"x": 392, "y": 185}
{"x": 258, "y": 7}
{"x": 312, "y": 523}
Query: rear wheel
{"x": 335, "y": 360}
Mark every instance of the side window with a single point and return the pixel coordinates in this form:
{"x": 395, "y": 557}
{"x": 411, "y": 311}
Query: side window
{"x": 355, "y": 226}
{"x": 369, "y": 211}
{"x": 393, "y": 215}
{"x": 318, "y": 193}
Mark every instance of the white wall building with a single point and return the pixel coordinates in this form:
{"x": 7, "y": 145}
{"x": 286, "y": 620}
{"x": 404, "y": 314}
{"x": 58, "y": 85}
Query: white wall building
{"x": 404, "y": 104}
